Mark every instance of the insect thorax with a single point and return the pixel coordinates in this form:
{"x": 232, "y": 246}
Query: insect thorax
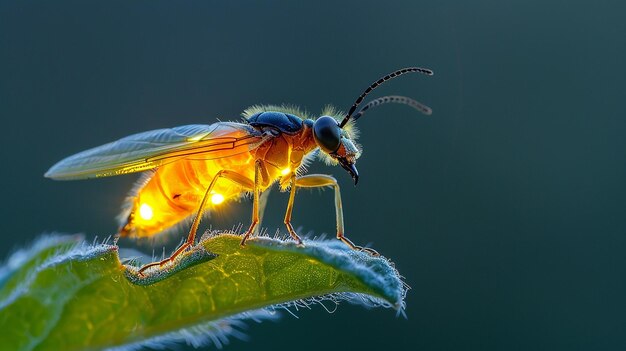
{"x": 285, "y": 122}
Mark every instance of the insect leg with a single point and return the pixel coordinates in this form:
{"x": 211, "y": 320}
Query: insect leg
{"x": 262, "y": 205}
{"x": 191, "y": 237}
{"x": 292, "y": 196}
{"x": 322, "y": 180}
{"x": 230, "y": 175}
{"x": 255, "y": 202}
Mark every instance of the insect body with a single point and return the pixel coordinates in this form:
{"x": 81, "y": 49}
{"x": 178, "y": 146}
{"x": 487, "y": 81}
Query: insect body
{"x": 193, "y": 165}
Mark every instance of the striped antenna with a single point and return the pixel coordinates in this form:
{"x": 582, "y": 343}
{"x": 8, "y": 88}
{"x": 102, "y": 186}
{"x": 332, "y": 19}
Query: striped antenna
{"x": 378, "y": 83}
{"x": 394, "y": 99}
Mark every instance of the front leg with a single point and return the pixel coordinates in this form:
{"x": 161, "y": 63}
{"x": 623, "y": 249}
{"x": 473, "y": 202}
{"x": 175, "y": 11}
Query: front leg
{"x": 319, "y": 181}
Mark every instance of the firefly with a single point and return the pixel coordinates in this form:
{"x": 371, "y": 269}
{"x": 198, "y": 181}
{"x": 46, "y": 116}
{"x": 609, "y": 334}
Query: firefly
{"x": 188, "y": 170}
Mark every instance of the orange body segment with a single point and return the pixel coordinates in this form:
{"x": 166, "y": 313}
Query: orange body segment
{"x": 174, "y": 192}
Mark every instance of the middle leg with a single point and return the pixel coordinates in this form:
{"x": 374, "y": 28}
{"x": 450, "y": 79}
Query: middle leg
{"x": 259, "y": 169}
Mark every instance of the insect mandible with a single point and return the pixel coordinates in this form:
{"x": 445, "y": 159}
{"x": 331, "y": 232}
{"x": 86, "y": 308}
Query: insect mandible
{"x": 192, "y": 165}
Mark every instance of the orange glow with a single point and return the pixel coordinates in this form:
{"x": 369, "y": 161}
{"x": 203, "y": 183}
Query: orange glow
{"x": 174, "y": 192}
{"x": 146, "y": 212}
{"x": 217, "y": 199}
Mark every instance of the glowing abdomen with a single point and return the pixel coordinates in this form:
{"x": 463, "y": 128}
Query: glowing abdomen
{"x": 175, "y": 191}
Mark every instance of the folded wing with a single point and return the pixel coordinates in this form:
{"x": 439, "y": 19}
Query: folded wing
{"x": 147, "y": 150}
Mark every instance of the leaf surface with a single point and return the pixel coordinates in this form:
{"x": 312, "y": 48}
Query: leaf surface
{"x": 63, "y": 294}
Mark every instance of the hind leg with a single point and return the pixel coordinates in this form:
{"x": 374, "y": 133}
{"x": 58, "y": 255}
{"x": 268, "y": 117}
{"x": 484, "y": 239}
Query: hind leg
{"x": 191, "y": 237}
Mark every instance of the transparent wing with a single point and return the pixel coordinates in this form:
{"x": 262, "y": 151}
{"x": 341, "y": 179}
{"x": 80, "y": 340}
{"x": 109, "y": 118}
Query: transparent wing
{"x": 147, "y": 150}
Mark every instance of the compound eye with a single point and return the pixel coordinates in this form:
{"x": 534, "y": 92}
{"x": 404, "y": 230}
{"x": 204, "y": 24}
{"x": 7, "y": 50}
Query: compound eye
{"x": 327, "y": 134}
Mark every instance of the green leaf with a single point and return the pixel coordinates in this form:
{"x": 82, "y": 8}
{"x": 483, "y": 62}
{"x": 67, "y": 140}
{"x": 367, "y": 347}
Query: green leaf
{"x": 63, "y": 294}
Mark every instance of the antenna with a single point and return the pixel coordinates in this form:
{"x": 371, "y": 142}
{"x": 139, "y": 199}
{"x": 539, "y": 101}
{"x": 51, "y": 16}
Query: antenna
{"x": 395, "y": 99}
{"x": 377, "y": 83}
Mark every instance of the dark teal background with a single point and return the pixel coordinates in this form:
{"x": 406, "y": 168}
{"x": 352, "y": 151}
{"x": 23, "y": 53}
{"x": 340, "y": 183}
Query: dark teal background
{"x": 505, "y": 210}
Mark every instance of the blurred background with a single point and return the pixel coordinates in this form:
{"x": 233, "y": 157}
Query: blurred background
{"x": 504, "y": 210}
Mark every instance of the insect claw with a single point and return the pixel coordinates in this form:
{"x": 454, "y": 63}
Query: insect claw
{"x": 243, "y": 240}
{"x": 145, "y": 267}
{"x": 372, "y": 252}
{"x": 250, "y": 230}
{"x": 184, "y": 247}
{"x": 367, "y": 250}
{"x": 350, "y": 244}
